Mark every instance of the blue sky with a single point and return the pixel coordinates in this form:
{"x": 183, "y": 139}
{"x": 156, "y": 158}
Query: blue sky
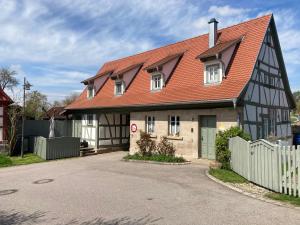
{"x": 58, "y": 43}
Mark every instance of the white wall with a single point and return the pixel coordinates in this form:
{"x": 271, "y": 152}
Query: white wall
{"x": 88, "y": 131}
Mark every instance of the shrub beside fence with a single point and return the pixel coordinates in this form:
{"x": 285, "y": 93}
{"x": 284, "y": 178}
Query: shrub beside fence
{"x": 56, "y": 148}
{"x": 271, "y": 166}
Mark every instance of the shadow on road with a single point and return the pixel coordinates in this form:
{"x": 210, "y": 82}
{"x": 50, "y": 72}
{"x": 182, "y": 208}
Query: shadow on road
{"x": 14, "y": 218}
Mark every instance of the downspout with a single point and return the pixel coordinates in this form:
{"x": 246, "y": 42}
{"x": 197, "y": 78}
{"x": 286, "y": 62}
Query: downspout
{"x": 234, "y": 101}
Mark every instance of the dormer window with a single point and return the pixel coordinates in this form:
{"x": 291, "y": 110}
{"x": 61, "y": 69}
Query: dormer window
{"x": 213, "y": 73}
{"x": 119, "y": 87}
{"x": 90, "y": 91}
{"x": 156, "y": 82}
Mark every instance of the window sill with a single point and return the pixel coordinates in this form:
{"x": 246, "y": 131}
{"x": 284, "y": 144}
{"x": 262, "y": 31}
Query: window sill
{"x": 153, "y": 136}
{"x": 175, "y": 138}
{"x": 156, "y": 90}
{"x": 212, "y": 84}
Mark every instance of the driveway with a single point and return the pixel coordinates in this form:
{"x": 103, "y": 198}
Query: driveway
{"x": 102, "y": 189}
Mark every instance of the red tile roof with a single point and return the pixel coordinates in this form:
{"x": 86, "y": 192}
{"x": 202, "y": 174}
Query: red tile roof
{"x": 4, "y": 97}
{"x": 186, "y": 82}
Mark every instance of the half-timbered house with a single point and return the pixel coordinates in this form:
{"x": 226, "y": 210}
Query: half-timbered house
{"x": 4, "y": 102}
{"x": 189, "y": 90}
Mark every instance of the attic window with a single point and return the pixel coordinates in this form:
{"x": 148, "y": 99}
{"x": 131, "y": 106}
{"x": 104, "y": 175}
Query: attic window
{"x": 90, "y": 91}
{"x": 213, "y": 73}
{"x": 119, "y": 87}
{"x": 156, "y": 81}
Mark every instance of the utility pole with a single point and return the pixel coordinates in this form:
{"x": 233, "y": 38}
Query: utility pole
{"x": 26, "y": 87}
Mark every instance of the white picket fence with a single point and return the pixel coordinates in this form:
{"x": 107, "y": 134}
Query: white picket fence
{"x": 268, "y": 165}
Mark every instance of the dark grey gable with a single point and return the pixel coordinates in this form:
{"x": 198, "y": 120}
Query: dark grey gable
{"x": 267, "y": 98}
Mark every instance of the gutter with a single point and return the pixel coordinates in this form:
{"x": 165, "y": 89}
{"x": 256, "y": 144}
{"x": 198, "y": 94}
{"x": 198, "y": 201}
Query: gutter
{"x": 165, "y": 106}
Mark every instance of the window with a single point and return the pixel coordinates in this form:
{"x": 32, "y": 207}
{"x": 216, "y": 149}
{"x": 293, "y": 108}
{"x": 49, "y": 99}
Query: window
{"x": 266, "y": 127}
{"x": 119, "y": 88}
{"x": 213, "y": 73}
{"x": 272, "y": 122}
{"x": 174, "y": 126}
{"x": 90, "y": 118}
{"x": 150, "y": 124}
{"x": 285, "y": 115}
{"x": 156, "y": 83}
{"x": 90, "y": 91}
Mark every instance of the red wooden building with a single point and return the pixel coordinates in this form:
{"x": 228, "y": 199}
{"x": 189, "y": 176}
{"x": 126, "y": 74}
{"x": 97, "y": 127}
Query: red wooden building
{"x": 5, "y": 100}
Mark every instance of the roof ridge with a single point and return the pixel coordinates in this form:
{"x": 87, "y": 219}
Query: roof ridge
{"x": 188, "y": 39}
{"x": 247, "y": 21}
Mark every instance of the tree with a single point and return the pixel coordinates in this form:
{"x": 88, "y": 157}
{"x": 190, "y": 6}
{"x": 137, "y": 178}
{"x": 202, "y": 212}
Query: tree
{"x": 36, "y": 105}
{"x": 14, "y": 116}
{"x": 67, "y": 101}
{"x": 7, "y": 78}
{"x": 296, "y": 95}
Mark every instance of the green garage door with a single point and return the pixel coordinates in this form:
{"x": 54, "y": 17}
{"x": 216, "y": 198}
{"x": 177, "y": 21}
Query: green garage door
{"x": 207, "y": 137}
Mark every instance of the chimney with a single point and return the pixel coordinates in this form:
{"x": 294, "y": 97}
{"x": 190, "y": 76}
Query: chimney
{"x": 213, "y": 32}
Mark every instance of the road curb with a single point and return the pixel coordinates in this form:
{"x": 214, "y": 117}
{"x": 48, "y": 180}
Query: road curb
{"x": 251, "y": 195}
{"x": 155, "y": 162}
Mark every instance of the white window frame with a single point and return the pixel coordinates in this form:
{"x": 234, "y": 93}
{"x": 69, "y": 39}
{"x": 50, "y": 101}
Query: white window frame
{"x": 176, "y": 125}
{"x": 152, "y": 84}
{"x": 220, "y": 69}
{"x": 90, "y": 91}
{"x": 89, "y": 121}
{"x": 150, "y": 124}
{"x": 265, "y": 127}
{"x": 117, "y": 82}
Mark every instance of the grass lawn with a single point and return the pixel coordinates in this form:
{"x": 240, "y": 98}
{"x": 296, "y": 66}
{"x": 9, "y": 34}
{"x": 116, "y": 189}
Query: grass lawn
{"x": 284, "y": 198}
{"x": 157, "y": 158}
{"x": 227, "y": 176}
{"x": 6, "y": 161}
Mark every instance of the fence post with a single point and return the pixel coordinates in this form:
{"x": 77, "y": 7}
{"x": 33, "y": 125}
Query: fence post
{"x": 249, "y": 160}
{"x": 294, "y": 169}
{"x": 279, "y": 155}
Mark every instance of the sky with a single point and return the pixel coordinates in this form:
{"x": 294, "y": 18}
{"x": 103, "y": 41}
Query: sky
{"x": 56, "y": 44}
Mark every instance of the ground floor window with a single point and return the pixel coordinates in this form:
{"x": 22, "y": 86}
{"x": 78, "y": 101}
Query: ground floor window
{"x": 174, "y": 125}
{"x": 150, "y": 124}
{"x": 90, "y": 118}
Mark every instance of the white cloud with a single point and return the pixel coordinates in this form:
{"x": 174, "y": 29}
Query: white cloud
{"x": 56, "y": 43}
{"x": 227, "y": 11}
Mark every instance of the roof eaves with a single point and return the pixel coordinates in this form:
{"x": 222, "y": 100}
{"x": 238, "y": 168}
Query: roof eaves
{"x": 214, "y": 51}
{"x": 96, "y": 76}
{"x": 164, "y": 60}
{"x": 128, "y": 68}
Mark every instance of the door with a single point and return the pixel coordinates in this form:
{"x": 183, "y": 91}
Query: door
{"x": 207, "y": 137}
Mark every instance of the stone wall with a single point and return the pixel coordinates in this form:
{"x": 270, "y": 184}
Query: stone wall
{"x": 187, "y": 143}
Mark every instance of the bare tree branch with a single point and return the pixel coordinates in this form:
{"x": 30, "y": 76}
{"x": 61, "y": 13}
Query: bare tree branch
{"x": 7, "y": 78}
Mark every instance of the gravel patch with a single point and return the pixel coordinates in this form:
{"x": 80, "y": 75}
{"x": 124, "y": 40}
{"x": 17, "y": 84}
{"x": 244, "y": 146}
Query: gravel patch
{"x": 251, "y": 188}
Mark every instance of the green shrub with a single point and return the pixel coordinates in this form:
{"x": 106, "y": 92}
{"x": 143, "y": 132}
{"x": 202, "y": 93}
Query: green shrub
{"x": 222, "y": 150}
{"x": 165, "y": 147}
{"x": 146, "y": 145}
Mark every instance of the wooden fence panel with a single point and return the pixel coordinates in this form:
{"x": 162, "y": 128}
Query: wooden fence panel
{"x": 240, "y": 156}
{"x": 271, "y": 166}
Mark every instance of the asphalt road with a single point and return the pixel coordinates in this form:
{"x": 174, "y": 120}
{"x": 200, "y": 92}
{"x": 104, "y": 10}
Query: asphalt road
{"x": 103, "y": 190}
